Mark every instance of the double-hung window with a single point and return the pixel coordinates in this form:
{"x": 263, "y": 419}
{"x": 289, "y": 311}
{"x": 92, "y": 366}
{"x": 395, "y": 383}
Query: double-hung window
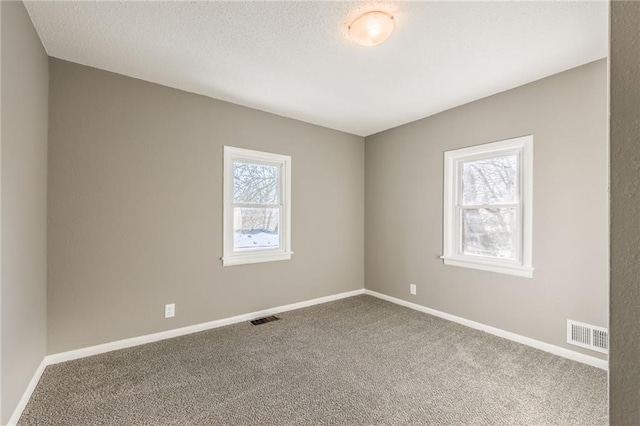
{"x": 257, "y": 207}
{"x": 488, "y": 207}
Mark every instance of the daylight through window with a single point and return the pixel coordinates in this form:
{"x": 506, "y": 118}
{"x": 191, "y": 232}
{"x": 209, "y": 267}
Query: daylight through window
{"x": 488, "y": 207}
{"x": 257, "y": 209}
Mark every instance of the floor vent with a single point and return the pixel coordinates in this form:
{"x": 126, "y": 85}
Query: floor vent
{"x": 588, "y": 336}
{"x": 264, "y": 320}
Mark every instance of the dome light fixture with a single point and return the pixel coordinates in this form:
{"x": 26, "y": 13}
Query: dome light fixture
{"x": 372, "y": 28}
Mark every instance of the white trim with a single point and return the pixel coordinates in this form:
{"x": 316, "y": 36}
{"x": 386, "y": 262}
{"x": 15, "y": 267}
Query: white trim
{"x": 149, "y": 338}
{"x": 258, "y": 257}
{"x": 283, "y": 162}
{"x": 488, "y": 265}
{"x": 547, "y": 347}
{"x": 26, "y": 396}
{"x": 523, "y": 265}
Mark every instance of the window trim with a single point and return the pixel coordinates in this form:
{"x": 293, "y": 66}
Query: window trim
{"x": 452, "y": 251}
{"x": 231, "y": 257}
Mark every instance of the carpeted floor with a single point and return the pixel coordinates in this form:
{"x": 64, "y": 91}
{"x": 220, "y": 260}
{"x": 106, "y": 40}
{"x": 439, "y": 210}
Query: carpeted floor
{"x": 357, "y": 361}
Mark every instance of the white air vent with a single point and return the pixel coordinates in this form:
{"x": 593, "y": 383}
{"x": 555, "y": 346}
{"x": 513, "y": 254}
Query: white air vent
{"x": 588, "y": 336}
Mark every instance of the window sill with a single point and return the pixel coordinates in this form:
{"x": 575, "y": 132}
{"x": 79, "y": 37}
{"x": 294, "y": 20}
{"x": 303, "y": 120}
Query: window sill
{"x": 255, "y": 258}
{"x": 517, "y": 270}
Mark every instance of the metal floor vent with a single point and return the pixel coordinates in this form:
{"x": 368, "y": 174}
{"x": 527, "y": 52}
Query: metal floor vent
{"x": 263, "y": 320}
{"x": 588, "y": 336}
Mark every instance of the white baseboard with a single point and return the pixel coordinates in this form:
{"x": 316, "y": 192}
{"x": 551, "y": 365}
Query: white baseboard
{"x": 141, "y": 340}
{"x": 556, "y": 350}
{"x": 149, "y": 338}
{"x": 26, "y": 396}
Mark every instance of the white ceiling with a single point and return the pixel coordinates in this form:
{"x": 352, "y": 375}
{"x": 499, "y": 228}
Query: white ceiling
{"x": 295, "y": 58}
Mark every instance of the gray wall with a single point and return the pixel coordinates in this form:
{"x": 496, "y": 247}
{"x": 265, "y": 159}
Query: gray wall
{"x": 624, "y": 365}
{"x": 135, "y": 213}
{"x": 24, "y": 201}
{"x": 567, "y": 114}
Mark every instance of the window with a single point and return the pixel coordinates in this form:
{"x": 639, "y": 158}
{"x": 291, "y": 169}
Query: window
{"x": 257, "y": 207}
{"x": 488, "y": 207}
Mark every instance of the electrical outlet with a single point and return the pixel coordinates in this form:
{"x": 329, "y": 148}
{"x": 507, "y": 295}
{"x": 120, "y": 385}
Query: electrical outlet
{"x": 412, "y": 289}
{"x": 170, "y": 310}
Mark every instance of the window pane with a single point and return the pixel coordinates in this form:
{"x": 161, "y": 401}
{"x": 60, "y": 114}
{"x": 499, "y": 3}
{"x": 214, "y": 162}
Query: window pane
{"x": 490, "y": 181}
{"x": 256, "y": 228}
{"x": 255, "y": 183}
{"x": 489, "y": 232}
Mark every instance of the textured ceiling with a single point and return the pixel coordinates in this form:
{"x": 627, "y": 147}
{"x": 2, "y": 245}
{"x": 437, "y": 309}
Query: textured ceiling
{"x": 295, "y": 58}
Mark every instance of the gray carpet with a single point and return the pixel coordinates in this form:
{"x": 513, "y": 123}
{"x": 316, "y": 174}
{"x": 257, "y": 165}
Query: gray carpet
{"x": 357, "y": 361}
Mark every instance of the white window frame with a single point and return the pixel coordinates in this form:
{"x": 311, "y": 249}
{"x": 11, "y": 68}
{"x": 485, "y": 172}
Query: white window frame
{"x": 283, "y": 252}
{"x": 452, "y": 239}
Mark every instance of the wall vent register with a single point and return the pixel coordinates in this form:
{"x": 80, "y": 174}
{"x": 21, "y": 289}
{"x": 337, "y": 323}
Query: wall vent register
{"x": 588, "y": 336}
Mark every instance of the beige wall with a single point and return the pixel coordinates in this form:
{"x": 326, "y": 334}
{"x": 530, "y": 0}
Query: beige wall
{"x": 135, "y": 213}
{"x": 24, "y": 201}
{"x": 624, "y": 366}
{"x": 567, "y": 115}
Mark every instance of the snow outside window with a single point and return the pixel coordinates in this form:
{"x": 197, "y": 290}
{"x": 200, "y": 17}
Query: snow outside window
{"x": 257, "y": 209}
{"x": 488, "y": 207}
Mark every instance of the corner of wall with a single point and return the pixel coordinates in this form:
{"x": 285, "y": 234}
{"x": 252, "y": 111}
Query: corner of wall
{"x": 23, "y": 188}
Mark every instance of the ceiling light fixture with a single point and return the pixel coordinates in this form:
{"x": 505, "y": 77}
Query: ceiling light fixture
{"x": 372, "y": 28}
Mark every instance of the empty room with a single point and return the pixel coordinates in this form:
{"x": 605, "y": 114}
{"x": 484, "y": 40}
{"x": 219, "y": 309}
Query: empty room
{"x": 310, "y": 212}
